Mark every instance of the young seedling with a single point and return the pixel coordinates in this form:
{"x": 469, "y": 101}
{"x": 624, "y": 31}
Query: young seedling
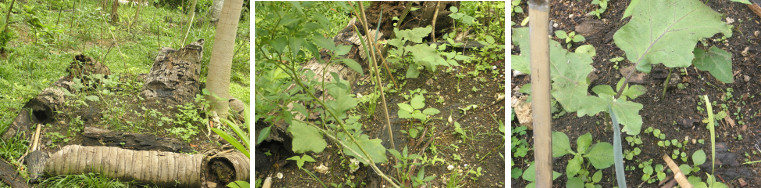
{"x": 569, "y": 37}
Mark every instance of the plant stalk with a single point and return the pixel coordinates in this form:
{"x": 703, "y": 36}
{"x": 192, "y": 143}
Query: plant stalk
{"x": 377, "y": 73}
{"x": 666, "y": 84}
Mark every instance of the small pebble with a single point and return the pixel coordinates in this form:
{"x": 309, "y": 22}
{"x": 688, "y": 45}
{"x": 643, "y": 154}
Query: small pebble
{"x": 322, "y": 169}
{"x": 730, "y": 20}
{"x": 450, "y": 167}
{"x": 756, "y": 33}
{"x": 745, "y": 51}
{"x": 279, "y": 175}
{"x": 555, "y": 25}
{"x": 746, "y": 78}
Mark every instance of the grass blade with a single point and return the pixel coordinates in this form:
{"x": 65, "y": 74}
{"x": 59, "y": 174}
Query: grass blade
{"x": 713, "y": 132}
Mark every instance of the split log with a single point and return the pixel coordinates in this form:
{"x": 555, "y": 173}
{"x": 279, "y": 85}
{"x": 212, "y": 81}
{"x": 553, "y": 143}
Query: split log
{"x": 175, "y": 76}
{"x": 41, "y": 108}
{"x": 103, "y": 137}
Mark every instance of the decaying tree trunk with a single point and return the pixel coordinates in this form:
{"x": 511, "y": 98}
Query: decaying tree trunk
{"x": 10, "y": 176}
{"x": 103, "y": 137}
{"x": 165, "y": 169}
{"x": 175, "y": 76}
{"x": 41, "y": 108}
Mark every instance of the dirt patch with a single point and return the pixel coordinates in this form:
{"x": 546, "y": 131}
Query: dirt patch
{"x": 475, "y": 102}
{"x": 677, "y": 114}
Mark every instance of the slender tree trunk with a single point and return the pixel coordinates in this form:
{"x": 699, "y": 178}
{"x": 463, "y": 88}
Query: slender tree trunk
{"x": 218, "y": 79}
{"x": 8, "y": 16}
{"x": 115, "y": 12}
{"x": 137, "y": 13}
{"x": 190, "y": 23}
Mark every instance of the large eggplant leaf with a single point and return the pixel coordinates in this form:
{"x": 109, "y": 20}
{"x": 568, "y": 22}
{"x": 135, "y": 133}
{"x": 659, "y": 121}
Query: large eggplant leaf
{"x": 662, "y": 31}
{"x": 716, "y": 61}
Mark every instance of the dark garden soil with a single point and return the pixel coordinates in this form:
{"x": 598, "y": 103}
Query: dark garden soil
{"x": 483, "y": 148}
{"x": 677, "y": 113}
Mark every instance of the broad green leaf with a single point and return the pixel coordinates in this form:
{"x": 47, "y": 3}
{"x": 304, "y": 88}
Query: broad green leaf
{"x": 603, "y": 89}
{"x": 569, "y": 75}
{"x": 586, "y": 49}
{"x": 92, "y": 98}
{"x": 574, "y": 182}
{"x": 417, "y": 102}
{"x": 583, "y": 143}
{"x": 412, "y": 71}
{"x": 373, "y": 147}
{"x": 686, "y": 169}
{"x": 634, "y": 91}
{"x": 529, "y": 174}
{"x": 415, "y": 35}
{"x": 574, "y": 165}
{"x": 698, "y": 158}
{"x": 295, "y": 45}
{"x": 353, "y": 65}
{"x": 405, "y": 107}
{"x": 716, "y": 61}
{"x": 418, "y": 115}
{"x": 628, "y": 12}
{"x": 597, "y": 176}
{"x": 263, "y": 134}
{"x": 747, "y": 2}
{"x": 627, "y": 113}
{"x": 306, "y": 138}
{"x": 431, "y": 111}
{"x": 426, "y": 55}
{"x": 601, "y": 155}
{"x": 561, "y": 34}
{"x": 560, "y": 144}
{"x": 671, "y": 39}
{"x": 521, "y": 62}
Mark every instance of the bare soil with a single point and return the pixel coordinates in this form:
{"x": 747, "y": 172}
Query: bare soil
{"x": 675, "y": 114}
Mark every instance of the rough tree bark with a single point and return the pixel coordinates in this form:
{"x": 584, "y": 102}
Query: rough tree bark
{"x": 218, "y": 79}
{"x": 165, "y": 169}
{"x": 103, "y": 137}
{"x": 175, "y": 76}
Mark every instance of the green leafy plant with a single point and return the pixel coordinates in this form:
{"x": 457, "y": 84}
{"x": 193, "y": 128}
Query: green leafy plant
{"x": 300, "y": 160}
{"x": 599, "y": 154}
{"x": 569, "y": 38}
{"x": 603, "y": 6}
{"x": 529, "y": 175}
{"x": 186, "y": 122}
{"x": 243, "y": 145}
{"x": 515, "y": 7}
{"x": 419, "y": 55}
{"x": 414, "y": 110}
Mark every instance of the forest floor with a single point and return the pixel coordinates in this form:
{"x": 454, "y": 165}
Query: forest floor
{"x": 679, "y": 113}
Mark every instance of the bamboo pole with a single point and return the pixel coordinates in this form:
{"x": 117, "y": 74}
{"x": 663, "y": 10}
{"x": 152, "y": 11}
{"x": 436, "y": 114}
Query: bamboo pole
{"x": 540, "y": 90}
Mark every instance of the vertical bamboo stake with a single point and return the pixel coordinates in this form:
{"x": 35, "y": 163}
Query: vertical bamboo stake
{"x": 540, "y": 90}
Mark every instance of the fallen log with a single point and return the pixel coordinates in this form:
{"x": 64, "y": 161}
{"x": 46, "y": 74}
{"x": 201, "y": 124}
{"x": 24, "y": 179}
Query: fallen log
{"x": 160, "y": 168}
{"x": 41, "y": 108}
{"x": 10, "y": 176}
{"x": 103, "y": 137}
{"x": 175, "y": 76}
